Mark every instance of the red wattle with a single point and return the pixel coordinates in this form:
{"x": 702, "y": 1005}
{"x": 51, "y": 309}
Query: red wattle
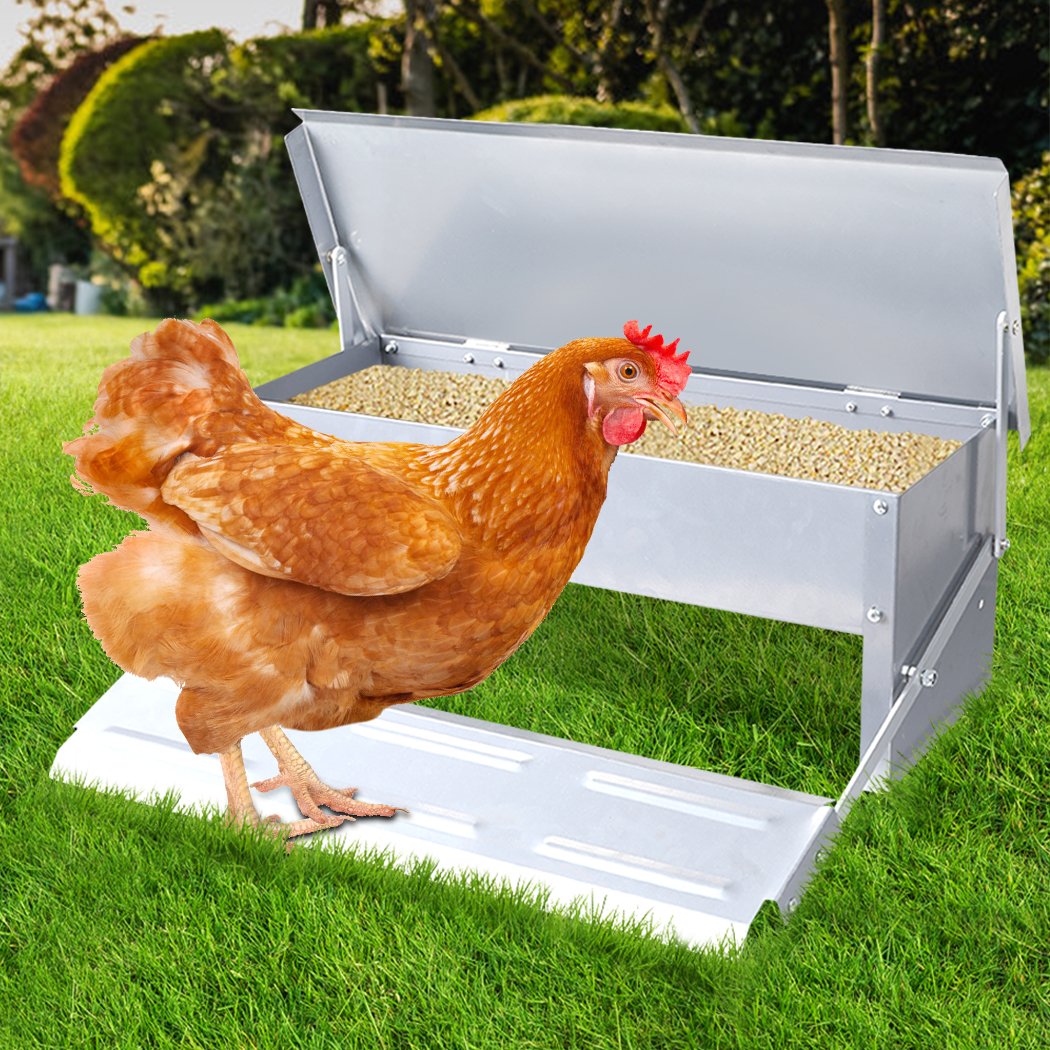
{"x": 623, "y": 426}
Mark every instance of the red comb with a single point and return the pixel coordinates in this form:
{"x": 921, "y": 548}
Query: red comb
{"x": 672, "y": 372}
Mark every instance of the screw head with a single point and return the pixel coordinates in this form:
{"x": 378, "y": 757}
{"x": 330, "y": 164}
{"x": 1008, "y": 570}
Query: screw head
{"x": 928, "y": 678}
{"x": 880, "y": 506}
{"x": 851, "y": 406}
{"x": 468, "y": 359}
{"x": 1015, "y": 328}
{"x": 875, "y": 614}
{"x": 886, "y": 411}
{"x": 498, "y": 362}
{"x": 792, "y": 904}
{"x": 390, "y": 348}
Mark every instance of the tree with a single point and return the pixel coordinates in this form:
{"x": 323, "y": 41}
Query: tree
{"x": 878, "y": 32}
{"x": 838, "y": 55}
{"x": 417, "y": 60}
{"x": 319, "y": 14}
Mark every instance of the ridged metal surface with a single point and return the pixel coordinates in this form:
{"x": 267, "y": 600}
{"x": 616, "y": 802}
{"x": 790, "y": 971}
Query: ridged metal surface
{"x": 693, "y": 852}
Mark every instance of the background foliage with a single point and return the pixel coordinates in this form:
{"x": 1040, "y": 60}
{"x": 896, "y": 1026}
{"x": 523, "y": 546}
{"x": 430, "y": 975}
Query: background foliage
{"x": 200, "y": 206}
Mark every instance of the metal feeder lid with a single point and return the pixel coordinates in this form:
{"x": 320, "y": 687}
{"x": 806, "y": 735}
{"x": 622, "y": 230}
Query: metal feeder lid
{"x": 839, "y": 266}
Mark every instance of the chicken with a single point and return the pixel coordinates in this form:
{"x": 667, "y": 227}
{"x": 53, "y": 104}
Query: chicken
{"x": 289, "y": 578}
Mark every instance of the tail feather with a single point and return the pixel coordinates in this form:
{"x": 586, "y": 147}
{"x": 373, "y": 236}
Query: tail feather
{"x": 181, "y": 390}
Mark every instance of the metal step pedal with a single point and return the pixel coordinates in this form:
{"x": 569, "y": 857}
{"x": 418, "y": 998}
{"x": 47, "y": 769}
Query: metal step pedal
{"x": 692, "y": 852}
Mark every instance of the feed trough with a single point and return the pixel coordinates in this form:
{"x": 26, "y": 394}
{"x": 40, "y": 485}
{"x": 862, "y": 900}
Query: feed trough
{"x": 867, "y": 290}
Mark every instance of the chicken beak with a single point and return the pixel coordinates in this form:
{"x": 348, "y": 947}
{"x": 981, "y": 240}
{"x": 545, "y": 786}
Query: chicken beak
{"x": 670, "y": 413}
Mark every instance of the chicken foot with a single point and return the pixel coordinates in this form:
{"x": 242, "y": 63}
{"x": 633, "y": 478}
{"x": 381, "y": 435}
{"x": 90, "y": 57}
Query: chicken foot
{"x": 242, "y": 809}
{"x": 310, "y": 791}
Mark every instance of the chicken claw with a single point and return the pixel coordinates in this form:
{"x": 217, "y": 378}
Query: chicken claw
{"x": 242, "y": 809}
{"x": 309, "y": 790}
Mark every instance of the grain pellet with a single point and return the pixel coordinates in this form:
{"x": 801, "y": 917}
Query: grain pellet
{"x": 741, "y": 439}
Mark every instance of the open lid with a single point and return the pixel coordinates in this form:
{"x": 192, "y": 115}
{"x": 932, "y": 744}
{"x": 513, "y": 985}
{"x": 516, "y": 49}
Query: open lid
{"x": 839, "y": 266}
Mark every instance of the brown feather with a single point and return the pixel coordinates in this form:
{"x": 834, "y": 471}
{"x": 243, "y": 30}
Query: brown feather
{"x": 446, "y": 558}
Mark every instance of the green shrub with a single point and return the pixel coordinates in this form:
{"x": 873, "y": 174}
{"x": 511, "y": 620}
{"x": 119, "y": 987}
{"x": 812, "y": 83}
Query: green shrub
{"x": 199, "y": 201}
{"x": 149, "y": 106}
{"x": 565, "y": 109}
{"x": 1031, "y": 212}
{"x": 304, "y": 304}
{"x": 37, "y": 137}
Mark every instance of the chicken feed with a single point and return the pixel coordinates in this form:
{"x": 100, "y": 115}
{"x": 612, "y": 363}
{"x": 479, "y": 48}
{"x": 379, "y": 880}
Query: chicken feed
{"x": 741, "y": 439}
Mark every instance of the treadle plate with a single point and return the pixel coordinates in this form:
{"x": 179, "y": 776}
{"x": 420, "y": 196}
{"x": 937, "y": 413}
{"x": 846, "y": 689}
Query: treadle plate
{"x": 694, "y": 852}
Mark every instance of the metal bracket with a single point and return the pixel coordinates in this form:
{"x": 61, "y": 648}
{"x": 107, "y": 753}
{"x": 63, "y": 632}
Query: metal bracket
{"x": 354, "y": 329}
{"x": 924, "y": 679}
{"x": 1002, "y": 330}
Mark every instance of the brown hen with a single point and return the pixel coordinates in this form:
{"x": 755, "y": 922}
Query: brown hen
{"x": 289, "y": 578}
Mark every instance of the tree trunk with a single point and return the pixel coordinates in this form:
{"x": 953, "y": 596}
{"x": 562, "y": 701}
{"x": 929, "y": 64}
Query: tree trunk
{"x": 417, "y": 66}
{"x": 657, "y": 22}
{"x": 878, "y": 34}
{"x": 838, "y": 37}
{"x": 330, "y": 11}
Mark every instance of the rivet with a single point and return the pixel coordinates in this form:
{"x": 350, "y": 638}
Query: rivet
{"x": 880, "y": 506}
{"x": 468, "y": 359}
{"x": 390, "y": 348}
{"x": 851, "y": 406}
{"x": 886, "y": 411}
{"x": 875, "y": 614}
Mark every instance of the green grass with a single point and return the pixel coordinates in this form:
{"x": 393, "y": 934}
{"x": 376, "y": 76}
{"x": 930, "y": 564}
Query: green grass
{"x": 127, "y": 925}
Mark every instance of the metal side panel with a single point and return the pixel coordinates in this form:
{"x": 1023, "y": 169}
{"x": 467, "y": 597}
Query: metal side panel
{"x": 693, "y": 852}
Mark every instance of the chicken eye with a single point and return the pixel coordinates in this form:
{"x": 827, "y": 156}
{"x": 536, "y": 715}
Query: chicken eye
{"x": 628, "y": 370}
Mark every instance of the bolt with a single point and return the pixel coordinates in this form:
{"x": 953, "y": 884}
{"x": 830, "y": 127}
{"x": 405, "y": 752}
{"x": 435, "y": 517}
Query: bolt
{"x": 880, "y": 506}
{"x": 928, "y": 678}
{"x": 987, "y": 421}
{"x": 390, "y": 348}
{"x": 1015, "y": 328}
{"x": 851, "y": 406}
{"x": 468, "y": 359}
{"x": 886, "y": 411}
{"x": 498, "y": 362}
{"x": 875, "y": 614}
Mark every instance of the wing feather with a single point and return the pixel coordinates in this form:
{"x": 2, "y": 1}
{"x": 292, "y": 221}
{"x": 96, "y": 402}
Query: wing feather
{"x": 317, "y": 516}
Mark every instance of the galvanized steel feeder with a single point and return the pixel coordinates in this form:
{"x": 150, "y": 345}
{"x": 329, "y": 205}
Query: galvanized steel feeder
{"x": 871, "y": 288}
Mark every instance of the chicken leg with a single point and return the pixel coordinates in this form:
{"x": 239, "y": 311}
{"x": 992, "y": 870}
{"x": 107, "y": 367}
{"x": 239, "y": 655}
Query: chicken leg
{"x": 309, "y": 790}
{"x": 242, "y": 809}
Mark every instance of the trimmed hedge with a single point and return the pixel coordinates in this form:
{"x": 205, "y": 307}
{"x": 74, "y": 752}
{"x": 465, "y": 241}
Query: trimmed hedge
{"x": 37, "y": 137}
{"x": 177, "y": 157}
{"x": 566, "y": 109}
{"x": 150, "y": 99}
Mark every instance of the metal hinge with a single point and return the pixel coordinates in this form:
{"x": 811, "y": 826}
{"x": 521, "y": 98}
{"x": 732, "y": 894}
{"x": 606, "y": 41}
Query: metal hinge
{"x": 873, "y": 391}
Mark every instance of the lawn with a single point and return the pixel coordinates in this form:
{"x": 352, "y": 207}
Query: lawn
{"x": 123, "y": 925}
